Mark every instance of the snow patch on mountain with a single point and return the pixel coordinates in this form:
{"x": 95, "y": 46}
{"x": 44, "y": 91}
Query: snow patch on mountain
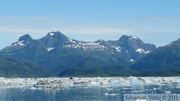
{"x": 117, "y": 48}
{"x": 88, "y": 46}
{"x": 72, "y": 41}
{"x": 19, "y": 43}
{"x": 133, "y": 37}
{"x": 131, "y": 60}
{"x": 51, "y": 48}
{"x": 51, "y": 33}
{"x": 140, "y": 50}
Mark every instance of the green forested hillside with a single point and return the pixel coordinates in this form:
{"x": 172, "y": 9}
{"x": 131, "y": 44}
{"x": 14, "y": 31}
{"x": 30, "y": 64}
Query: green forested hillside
{"x": 12, "y": 68}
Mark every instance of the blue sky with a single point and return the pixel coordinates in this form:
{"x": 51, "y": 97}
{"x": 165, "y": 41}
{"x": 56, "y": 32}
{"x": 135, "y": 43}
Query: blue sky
{"x": 153, "y": 21}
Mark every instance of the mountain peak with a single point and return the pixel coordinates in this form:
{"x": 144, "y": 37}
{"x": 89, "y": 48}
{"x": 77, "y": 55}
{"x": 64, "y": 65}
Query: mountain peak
{"x": 54, "y": 39}
{"x": 100, "y": 40}
{"x": 25, "y": 37}
{"x": 23, "y": 40}
{"x": 124, "y": 40}
{"x": 125, "y": 37}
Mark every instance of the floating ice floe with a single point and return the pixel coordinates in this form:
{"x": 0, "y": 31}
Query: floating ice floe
{"x": 104, "y": 82}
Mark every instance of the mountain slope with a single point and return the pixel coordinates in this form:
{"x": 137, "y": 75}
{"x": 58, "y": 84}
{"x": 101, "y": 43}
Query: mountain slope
{"x": 56, "y": 52}
{"x": 164, "y": 61}
{"x": 12, "y": 68}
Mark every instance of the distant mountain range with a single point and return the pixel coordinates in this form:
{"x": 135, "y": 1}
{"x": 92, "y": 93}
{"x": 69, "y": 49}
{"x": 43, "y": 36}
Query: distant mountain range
{"x": 56, "y": 52}
{"x": 64, "y": 56}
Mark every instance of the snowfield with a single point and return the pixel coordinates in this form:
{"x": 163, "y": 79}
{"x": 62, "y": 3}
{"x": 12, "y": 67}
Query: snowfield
{"x": 58, "y": 83}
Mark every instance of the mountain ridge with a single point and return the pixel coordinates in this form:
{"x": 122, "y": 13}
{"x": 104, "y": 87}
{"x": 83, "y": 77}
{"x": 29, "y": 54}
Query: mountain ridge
{"x": 164, "y": 61}
{"x": 56, "y": 52}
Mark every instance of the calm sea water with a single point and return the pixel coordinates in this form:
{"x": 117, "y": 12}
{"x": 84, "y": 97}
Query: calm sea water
{"x": 82, "y": 94}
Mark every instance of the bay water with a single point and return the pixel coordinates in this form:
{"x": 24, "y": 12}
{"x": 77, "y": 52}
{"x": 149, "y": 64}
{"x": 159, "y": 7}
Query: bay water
{"x": 82, "y": 93}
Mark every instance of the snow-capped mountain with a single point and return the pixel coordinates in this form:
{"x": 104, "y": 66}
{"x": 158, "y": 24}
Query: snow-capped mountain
{"x": 57, "y": 52}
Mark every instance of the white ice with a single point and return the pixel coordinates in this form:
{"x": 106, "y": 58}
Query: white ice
{"x": 105, "y": 82}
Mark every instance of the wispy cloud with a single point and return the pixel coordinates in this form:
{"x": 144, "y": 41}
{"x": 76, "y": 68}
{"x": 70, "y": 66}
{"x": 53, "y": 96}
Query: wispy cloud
{"x": 166, "y": 18}
{"x": 38, "y": 25}
{"x": 147, "y": 29}
{"x": 95, "y": 30}
{"x": 159, "y": 18}
{"x": 85, "y": 33}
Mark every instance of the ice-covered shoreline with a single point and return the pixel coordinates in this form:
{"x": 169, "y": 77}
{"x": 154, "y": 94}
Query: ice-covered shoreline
{"x": 58, "y": 83}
